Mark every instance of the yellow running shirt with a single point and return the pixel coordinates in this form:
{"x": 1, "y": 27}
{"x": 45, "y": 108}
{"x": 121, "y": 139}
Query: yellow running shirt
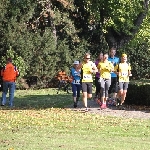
{"x": 124, "y": 69}
{"x": 86, "y": 71}
{"x": 105, "y": 69}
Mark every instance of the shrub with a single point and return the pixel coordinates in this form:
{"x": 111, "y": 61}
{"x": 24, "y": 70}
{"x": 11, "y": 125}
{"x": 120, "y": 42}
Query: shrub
{"x": 17, "y": 61}
{"x": 138, "y": 94}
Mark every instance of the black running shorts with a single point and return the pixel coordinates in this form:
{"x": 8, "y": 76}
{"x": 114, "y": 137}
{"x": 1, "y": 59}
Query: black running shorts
{"x": 87, "y": 87}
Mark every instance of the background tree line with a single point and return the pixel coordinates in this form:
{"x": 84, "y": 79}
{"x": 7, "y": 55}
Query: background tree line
{"x": 46, "y": 36}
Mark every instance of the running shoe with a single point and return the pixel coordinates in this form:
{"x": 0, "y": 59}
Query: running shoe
{"x": 122, "y": 107}
{"x": 99, "y": 102}
{"x": 118, "y": 101}
{"x": 86, "y": 109}
{"x": 95, "y": 98}
{"x": 103, "y": 106}
{"x": 77, "y": 99}
{"x": 75, "y": 105}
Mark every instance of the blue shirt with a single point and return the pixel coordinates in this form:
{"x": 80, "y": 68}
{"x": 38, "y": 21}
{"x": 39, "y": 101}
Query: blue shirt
{"x": 75, "y": 74}
{"x": 115, "y": 60}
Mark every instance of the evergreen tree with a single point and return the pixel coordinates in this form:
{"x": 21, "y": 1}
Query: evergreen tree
{"x": 49, "y": 35}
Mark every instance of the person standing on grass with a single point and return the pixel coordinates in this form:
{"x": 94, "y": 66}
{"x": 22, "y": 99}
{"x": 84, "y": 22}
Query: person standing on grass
{"x": 114, "y": 80}
{"x": 123, "y": 70}
{"x": 76, "y": 86}
{"x": 87, "y": 70}
{"x": 97, "y": 77}
{"x": 105, "y": 68}
{"x": 9, "y": 74}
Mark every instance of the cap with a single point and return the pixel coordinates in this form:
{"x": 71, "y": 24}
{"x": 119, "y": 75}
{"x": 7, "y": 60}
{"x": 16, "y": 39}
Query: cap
{"x": 9, "y": 59}
{"x": 76, "y": 63}
{"x": 124, "y": 55}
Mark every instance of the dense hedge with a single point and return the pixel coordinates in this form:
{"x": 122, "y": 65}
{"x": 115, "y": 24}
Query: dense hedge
{"x": 138, "y": 94}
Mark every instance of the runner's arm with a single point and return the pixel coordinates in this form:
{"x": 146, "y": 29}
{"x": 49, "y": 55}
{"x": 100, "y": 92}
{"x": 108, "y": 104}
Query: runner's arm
{"x": 99, "y": 67}
{"x": 116, "y": 71}
{"x": 111, "y": 67}
{"x": 94, "y": 68}
{"x": 129, "y": 70}
{"x": 2, "y": 72}
{"x": 80, "y": 66}
{"x": 17, "y": 72}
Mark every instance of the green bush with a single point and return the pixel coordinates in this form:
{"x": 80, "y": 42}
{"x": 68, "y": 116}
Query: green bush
{"x": 138, "y": 94}
{"x": 138, "y": 56}
{"x": 17, "y": 61}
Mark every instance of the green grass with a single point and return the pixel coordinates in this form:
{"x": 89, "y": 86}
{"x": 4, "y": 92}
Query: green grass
{"x": 39, "y": 121}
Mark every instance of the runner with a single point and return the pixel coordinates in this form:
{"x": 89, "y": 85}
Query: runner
{"x": 97, "y": 76}
{"x": 87, "y": 69}
{"x": 123, "y": 70}
{"x": 105, "y": 68}
{"x": 114, "y": 85}
{"x": 76, "y": 87}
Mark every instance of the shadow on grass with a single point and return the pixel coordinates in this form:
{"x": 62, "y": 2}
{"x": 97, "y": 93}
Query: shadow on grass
{"x": 48, "y": 98}
{"x": 40, "y": 102}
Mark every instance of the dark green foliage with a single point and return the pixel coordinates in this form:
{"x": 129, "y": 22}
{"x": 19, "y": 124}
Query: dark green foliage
{"x": 140, "y": 60}
{"x": 138, "y": 94}
{"x": 16, "y": 60}
{"x": 44, "y": 54}
{"x": 138, "y": 55}
{"x": 90, "y": 29}
{"x": 71, "y": 31}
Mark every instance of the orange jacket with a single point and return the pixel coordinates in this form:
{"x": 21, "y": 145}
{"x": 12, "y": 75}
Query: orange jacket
{"x": 9, "y": 73}
{"x": 62, "y": 75}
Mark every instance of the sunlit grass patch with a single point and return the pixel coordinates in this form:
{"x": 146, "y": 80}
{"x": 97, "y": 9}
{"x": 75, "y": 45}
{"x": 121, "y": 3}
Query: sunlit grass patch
{"x": 47, "y": 128}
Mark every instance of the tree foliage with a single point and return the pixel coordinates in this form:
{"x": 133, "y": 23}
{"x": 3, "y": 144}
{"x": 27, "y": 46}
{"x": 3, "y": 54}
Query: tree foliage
{"x": 120, "y": 19}
{"x": 50, "y": 34}
{"x": 138, "y": 51}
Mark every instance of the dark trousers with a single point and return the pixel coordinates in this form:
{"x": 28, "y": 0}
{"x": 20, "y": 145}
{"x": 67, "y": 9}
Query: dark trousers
{"x": 76, "y": 89}
{"x": 98, "y": 86}
{"x": 114, "y": 85}
{"x": 11, "y": 86}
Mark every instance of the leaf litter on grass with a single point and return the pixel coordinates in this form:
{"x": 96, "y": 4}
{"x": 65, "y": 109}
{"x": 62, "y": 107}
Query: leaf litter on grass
{"x": 67, "y": 123}
{"x": 38, "y": 125}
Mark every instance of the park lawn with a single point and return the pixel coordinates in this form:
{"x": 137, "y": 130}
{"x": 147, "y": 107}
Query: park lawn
{"x": 40, "y": 121}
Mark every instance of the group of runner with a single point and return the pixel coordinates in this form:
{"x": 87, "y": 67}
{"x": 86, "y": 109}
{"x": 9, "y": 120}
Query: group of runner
{"x": 111, "y": 76}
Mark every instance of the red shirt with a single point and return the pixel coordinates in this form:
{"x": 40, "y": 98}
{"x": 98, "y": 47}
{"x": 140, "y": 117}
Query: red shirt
{"x": 9, "y": 73}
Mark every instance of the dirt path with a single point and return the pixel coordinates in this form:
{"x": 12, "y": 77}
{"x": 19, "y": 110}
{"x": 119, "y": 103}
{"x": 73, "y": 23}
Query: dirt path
{"x": 139, "y": 112}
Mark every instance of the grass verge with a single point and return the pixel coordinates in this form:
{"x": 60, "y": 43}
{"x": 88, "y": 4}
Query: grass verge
{"x": 40, "y": 122}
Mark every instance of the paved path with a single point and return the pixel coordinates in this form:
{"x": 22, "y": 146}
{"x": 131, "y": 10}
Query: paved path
{"x": 130, "y": 112}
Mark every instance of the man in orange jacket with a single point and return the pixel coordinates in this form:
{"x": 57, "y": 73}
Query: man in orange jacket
{"x": 9, "y": 74}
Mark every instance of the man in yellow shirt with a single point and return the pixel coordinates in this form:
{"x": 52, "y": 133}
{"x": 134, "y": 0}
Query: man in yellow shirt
{"x": 123, "y": 70}
{"x": 105, "y": 68}
{"x": 87, "y": 69}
